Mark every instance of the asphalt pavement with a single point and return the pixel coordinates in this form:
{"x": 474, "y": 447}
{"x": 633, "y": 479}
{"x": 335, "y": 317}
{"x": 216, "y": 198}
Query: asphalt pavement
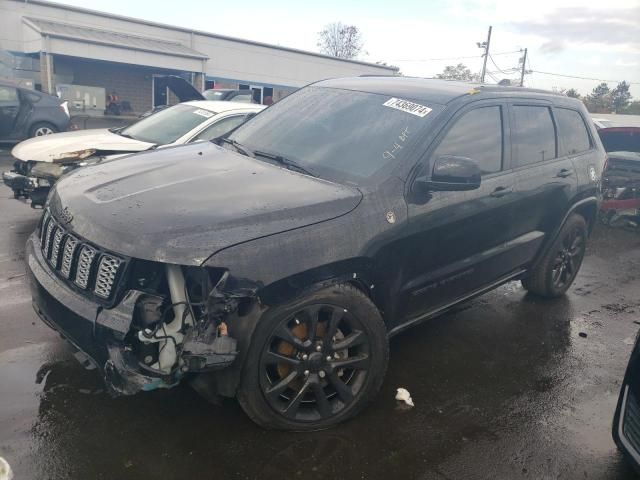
{"x": 506, "y": 386}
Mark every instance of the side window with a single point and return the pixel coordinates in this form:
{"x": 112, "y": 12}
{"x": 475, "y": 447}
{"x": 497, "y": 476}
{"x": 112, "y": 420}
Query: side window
{"x": 572, "y": 130}
{"x": 477, "y": 135}
{"x": 219, "y": 128}
{"x": 533, "y": 135}
{"x": 8, "y": 96}
{"x": 243, "y": 98}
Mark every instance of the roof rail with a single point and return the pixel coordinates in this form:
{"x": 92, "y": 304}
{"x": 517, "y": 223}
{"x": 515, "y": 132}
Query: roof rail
{"x": 514, "y": 88}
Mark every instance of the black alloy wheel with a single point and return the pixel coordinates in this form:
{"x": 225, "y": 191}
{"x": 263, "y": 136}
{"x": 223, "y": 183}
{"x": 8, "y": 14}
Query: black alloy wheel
{"x": 315, "y": 363}
{"x": 315, "y": 360}
{"x": 568, "y": 258}
{"x": 557, "y": 269}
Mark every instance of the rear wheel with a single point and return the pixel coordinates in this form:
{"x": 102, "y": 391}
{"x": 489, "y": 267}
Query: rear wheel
{"x": 315, "y": 361}
{"x": 558, "y": 268}
{"x": 41, "y": 129}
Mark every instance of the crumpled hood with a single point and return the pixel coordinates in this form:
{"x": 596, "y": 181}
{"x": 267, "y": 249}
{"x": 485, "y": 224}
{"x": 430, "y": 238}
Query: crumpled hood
{"x": 182, "y": 204}
{"x": 49, "y": 147}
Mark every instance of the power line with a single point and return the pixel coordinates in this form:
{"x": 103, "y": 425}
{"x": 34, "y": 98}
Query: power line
{"x": 449, "y": 58}
{"x": 496, "y": 65}
{"x": 582, "y": 78}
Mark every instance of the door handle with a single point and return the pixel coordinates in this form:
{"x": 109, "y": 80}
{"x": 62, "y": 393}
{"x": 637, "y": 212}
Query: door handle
{"x": 564, "y": 173}
{"x": 501, "y": 192}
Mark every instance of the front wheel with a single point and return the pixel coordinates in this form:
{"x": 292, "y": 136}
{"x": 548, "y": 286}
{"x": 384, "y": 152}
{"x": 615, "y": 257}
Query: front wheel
{"x": 558, "y": 268}
{"x": 315, "y": 361}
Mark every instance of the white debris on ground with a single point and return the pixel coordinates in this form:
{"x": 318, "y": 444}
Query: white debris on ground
{"x": 403, "y": 395}
{"x": 5, "y": 470}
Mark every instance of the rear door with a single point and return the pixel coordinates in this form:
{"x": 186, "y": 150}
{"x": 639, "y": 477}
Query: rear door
{"x": 546, "y": 179}
{"x": 9, "y": 108}
{"x": 458, "y": 238}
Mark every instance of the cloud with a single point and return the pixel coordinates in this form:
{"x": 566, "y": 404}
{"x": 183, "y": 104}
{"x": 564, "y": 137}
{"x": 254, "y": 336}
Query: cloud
{"x": 552, "y": 46}
{"x": 610, "y": 27}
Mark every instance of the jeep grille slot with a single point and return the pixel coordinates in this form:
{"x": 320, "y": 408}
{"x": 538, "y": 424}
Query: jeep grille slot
{"x": 87, "y": 255}
{"x": 88, "y": 268}
{"x": 67, "y": 256}
{"x": 107, "y": 271}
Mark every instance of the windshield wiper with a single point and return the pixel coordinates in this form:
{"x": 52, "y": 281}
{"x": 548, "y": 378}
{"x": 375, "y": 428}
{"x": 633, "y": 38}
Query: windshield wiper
{"x": 238, "y": 146}
{"x": 286, "y": 162}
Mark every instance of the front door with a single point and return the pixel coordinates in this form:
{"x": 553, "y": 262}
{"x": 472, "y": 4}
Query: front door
{"x": 9, "y": 108}
{"x": 457, "y": 239}
{"x": 256, "y": 93}
{"x": 160, "y": 92}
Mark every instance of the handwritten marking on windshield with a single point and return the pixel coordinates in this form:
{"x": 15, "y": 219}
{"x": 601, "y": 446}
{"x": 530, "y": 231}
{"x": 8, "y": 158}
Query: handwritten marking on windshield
{"x": 397, "y": 145}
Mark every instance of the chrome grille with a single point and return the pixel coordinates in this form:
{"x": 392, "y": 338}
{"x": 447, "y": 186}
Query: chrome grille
{"x": 46, "y": 245}
{"x": 107, "y": 271}
{"x": 67, "y": 256}
{"x": 55, "y": 247}
{"x": 85, "y": 260}
{"x": 87, "y": 267}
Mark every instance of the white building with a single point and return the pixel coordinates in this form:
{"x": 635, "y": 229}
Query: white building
{"x": 45, "y": 44}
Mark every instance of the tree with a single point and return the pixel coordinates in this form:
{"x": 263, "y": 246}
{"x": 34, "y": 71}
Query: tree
{"x": 633, "y": 108}
{"x": 458, "y": 72}
{"x": 572, "y": 92}
{"x": 339, "y": 40}
{"x": 620, "y": 96}
{"x": 599, "y": 100}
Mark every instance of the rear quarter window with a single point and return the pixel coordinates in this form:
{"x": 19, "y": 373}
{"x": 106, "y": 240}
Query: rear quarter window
{"x": 533, "y": 135}
{"x": 572, "y": 131}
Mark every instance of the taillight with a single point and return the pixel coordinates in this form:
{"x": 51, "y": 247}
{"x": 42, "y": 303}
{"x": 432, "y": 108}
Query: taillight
{"x": 65, "y": 108}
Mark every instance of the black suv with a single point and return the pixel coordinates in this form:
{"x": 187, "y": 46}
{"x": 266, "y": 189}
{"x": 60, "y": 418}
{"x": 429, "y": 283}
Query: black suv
{"x": 274, "y": 264}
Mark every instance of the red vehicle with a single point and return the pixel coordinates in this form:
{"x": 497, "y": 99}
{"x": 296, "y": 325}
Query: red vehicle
{"x": 621, "y": 177}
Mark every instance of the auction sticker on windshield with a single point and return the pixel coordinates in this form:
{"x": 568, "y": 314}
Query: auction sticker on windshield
{"x": 203, "y": 113}
{"x": 407, "y": 106}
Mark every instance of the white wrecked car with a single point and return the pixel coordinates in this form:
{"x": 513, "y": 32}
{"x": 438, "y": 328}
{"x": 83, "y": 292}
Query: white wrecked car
{"x": 41, "y": 161}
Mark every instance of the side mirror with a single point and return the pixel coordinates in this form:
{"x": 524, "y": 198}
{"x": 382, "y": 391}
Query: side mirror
{"x": 452, "y": 174}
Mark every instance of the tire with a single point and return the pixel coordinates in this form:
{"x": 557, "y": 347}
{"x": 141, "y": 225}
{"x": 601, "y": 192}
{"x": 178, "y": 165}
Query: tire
{"x": 41, "y": 129}
{"x": 557, "y": 270}
{"x": 329, "y": 373}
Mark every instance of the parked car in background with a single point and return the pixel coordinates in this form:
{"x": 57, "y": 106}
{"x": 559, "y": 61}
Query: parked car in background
{"x": 26, "y": 113}
{"x": 621, "y": 179}
{"x": 275, "y": 266}
{"x": 229, "y": 95}
{"x": 40, "y": 162}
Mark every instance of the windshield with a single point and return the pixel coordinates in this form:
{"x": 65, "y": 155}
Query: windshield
{"x": 338, "y": 134}
{"x": 168, "y": 125}
{"x": 214, "y": 95}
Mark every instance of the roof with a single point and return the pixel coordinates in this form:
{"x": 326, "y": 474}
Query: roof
{"x": 426, "y": 89}
{"x": 220, "y": 107}
{"x": 203, "y": 33}
{"x": 108, "y": 37}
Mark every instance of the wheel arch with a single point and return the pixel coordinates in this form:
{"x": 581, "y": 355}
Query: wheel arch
{"x": 356, "y": 272}
{"x": 586, "y": 207}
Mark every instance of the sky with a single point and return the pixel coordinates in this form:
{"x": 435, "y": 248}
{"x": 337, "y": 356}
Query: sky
{"x": 599, "y": 41}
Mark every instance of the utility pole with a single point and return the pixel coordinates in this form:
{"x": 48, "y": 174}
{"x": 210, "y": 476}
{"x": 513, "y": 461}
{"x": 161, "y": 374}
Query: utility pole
{"x": 524, "y": 62}
{"x": 485, "y": 45}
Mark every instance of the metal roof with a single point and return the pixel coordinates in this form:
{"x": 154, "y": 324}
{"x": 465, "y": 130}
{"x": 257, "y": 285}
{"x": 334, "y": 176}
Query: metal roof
{"x": 426, "y": 89}
{"x": 111, "y": 38}
{"x": 203, "y": 33}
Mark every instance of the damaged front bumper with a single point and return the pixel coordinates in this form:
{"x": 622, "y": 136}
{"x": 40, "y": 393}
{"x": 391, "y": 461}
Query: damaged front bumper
{"x": 102, "y": 334}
